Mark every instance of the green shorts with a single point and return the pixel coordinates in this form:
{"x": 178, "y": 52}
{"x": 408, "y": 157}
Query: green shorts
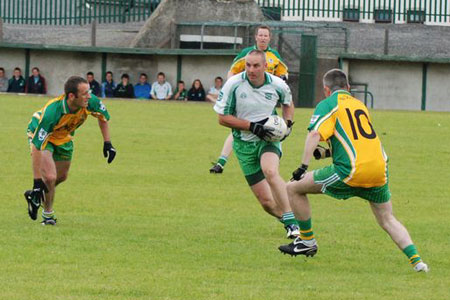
{"x": 336, "y": 188}
{"x": 249, "y": 156}
{"x": 60, "y": 153}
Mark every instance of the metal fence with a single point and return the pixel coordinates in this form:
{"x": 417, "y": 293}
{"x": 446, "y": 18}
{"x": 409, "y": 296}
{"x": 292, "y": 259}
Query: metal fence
{"x": 433, "y": 12}
{"x": 71, "y": 12}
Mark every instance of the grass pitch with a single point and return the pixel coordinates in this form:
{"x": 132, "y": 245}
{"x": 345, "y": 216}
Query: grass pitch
{"x": 156, "y": 225}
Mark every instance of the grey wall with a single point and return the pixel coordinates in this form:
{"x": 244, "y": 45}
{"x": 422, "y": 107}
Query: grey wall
{"x": 398, "y": 85}
{"x": 56, "y": 66}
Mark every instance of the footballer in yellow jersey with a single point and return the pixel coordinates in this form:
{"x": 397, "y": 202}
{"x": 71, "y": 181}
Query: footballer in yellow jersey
{"x": 359, "y": 168}
{"x": 50, "y": 134}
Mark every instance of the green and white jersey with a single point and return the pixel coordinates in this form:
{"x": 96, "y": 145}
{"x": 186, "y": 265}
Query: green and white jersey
{"x": 241, "y": 99}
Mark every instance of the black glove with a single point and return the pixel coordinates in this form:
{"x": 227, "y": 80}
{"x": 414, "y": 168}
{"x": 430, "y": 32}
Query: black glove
{"x": 299, "y": 173}
{"x": 289, "y": 124}
{"x": 263, "y": 132}
{"x": 109, "y": 151}
{"x": 321, "y": 152}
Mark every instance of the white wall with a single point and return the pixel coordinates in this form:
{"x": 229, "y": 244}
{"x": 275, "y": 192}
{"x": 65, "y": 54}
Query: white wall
{"x": 438, "y": 87}
{"x": 394, "y": 85}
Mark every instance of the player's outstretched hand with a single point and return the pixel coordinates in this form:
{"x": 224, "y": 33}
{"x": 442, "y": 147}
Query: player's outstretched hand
{"x": 109, "y": 151}
{"x": 321, "y": 152}
{"x": 263, "y": 132}
{"x": 289, "y": 124}
{"x": 299, "y": 173}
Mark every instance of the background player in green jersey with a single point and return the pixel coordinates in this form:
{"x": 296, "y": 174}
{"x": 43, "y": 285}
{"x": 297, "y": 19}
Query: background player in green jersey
{"x": 359, "y": 168}
{"x": 244, "y": 104}
{"x": 50, "y": 133}
{"x": 275, "y": 66}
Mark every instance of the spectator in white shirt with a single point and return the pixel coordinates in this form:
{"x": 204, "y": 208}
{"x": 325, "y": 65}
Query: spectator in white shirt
{"x": 213, "y": 92}
{"x": 161, "y": 89}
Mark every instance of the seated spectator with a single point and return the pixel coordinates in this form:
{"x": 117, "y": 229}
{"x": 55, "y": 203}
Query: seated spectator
{"x": 213, "y": 92}
{"x": 108, "y": 86}
{"x": 3, "y": 81}
{"x": 180, "y": 91}
{"x": 124, "y": 89}
{"x": 196, "y": 93}
{"x": 161, "y": 89}
{"x": 142, "y": 88}
{"x": 36, "y": 83}
{"x": 93, "y": 84}
{"x": 17, "y": 83}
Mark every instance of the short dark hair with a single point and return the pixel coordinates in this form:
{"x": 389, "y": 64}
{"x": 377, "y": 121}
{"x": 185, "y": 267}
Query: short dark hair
{"x": 90, "y": 73}
{"x": 35, "y": 68}
{"x": 335, "y": 79}
{"x": 181, "y": 81}
{"x": 161, "y": 73}
{"x": 1, "y": 69}
{"x": 143, "y": 74}
{"x": 71, "y": 85}
{"x": 124, "y": 75}
{"x": 218, "y": 77}
{"x": 263, "y": 27}
{"x": 17, "y": 69}
{"x": 109, "y": 72}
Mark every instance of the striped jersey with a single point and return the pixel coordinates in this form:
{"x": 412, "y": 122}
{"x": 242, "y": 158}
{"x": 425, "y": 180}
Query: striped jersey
{"x": 238, "y": 97}
{"x": 54, "y": 123}
{"x": 275, "y": 65}
{"x": 358, "y": 155}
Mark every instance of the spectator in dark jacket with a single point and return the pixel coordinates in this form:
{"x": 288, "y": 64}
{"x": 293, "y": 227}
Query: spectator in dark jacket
{"x": 196, "y": 93}
{"x": 108, "y": 86}
{"x": 142, "y": 88}
{"x": 93, "y": 84}
{"x": 36, "y": 83}
{"x": 124, "y": 89}
{"x": 17, "y": 83}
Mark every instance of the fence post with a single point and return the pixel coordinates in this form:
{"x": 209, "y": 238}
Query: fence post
{"x": 308, "y": 71}
{"x": 1, "y": 30}
{"x": 93, "y": 33}
{"x": 386, "y": 41}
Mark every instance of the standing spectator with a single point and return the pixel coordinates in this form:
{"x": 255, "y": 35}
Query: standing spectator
{"x": 93, "y": 84}
{"x": 108, "y": 86}
{"x": 196, "y": 93}
{"x": 17, "y": 83}
{"x": 3, "y": 81}
{"x": 213, "y": 92}
{"x": 180, "y": 91}
{"x": 36, "y": 83}
{"x": 162, "y": 90}
{"x": 142, "y": 88}
{"x": 124, "y": 89}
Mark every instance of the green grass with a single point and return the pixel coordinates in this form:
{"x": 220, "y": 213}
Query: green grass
{"x": 156, "y": 225}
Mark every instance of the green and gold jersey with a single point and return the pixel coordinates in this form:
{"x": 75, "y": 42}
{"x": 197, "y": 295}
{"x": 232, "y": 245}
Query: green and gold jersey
{"x": 238, "y": 97}
{"x": 54, "y": 123}
{"x": 275, "y": 65}
{"x": 358, "y": 155}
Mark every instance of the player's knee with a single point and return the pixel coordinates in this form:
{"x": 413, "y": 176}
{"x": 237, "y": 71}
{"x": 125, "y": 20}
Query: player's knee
{"x": 61, "y": 178}
{"x": 290, "y": 189}
{"x": 270, "y": 173}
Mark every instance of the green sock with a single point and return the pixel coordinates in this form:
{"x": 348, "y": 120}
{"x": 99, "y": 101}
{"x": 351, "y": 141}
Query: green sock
{"x": 413, "y": 254}
{"x": 306, "y": 232}
{"x": 48, "y": 214}
{"x": 288, "y": 218}
{"x": 222, "y": 161}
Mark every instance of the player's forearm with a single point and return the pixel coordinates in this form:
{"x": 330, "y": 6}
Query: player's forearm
{"x": 233, "y": 122}
{"x": 288, "y": 111}
{"x": 312, "y": 140}
{"x": 36, "y": 162}
{"x": 104, "y": 128}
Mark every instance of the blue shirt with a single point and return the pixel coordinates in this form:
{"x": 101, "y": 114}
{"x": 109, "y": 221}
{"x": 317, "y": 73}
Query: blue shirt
{"x": 142, "y": 91}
